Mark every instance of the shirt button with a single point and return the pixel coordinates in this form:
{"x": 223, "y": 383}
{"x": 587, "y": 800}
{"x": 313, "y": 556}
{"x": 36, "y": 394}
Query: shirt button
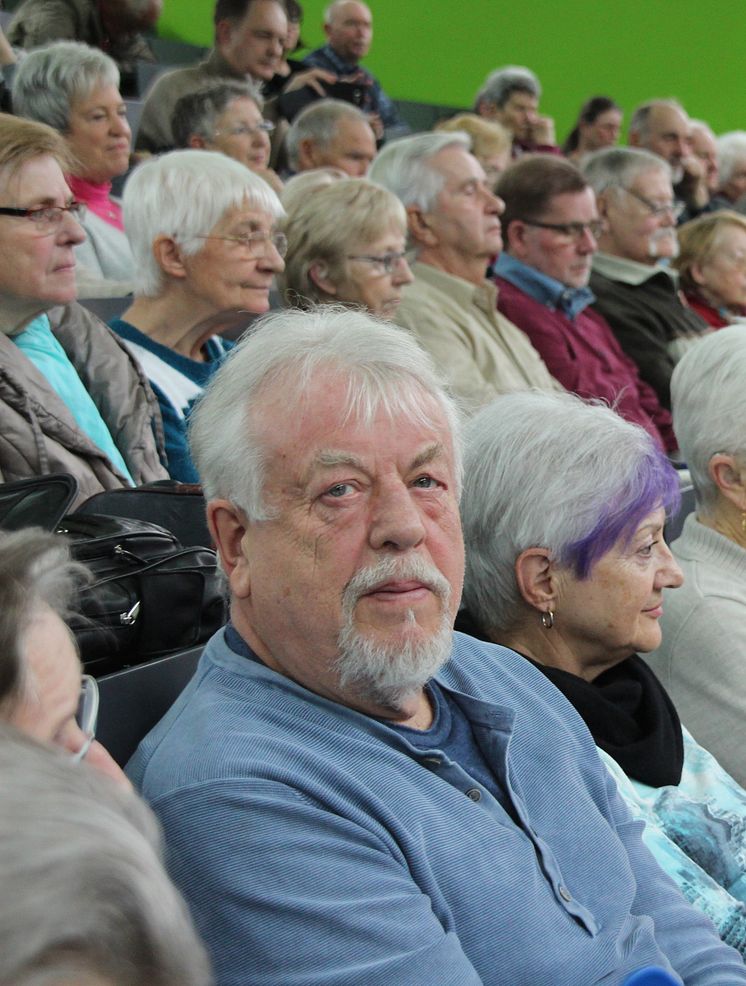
{"x": 565, "y": 894}
{"x": 474, "y": 793}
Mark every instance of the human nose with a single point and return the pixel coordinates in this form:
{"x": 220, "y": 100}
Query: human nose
{"x": 493, "y": 203}
{"x": 120, "y": 126}
{"x": 587, "y": 242}
{"x": 70, "y": 230}
{"x": 271, "y": 259}
{"x": 670, "y": 575}
{"x": 397, "y": 523}
{"x": 402, "y": 273}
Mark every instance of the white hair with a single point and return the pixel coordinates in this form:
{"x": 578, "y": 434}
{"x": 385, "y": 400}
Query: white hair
{"x": 331, "y": 8}
{"x": 551, "y": 471}
{"x": 708, "y": 401}
{"x": 384, "y": 368}
{"x": 731, "y": 148}
{"x": 405, "y": 166}
{"x": 318, "y": 123}
{"x": 84, "y": 889}
{"x": 619, "y": 167}
{"x": 499, "y": 85}
{"x": 49, "y": 80}
{"x": 184, "y": 194}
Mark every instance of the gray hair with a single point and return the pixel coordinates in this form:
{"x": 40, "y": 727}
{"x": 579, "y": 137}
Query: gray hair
{"x": 619, "y": 167}
{"x": 196, "y": 113}
{"x": 731, "y": 153}
{"x": 405, "y": 167}
{"x": 499, "y": 85}
{"x": 708, "y": 401}
{"x": 298, "y": 187}
{"x": 639, "y": 123}
{"x": 49, "y": 80}
{"x": 331, "y": 8}
{"x": 35, "y": 571}
{"x": 315, "y": 234}
{"x": 318, "y": 122}
{"x": 84, "y": 889}
{"x": 551, "y": 471}
{"x": 383, "y": 365}
{"x": 184, "y": 194}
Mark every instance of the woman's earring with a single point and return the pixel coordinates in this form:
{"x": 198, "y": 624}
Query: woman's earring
{"x": 547, "y": 619}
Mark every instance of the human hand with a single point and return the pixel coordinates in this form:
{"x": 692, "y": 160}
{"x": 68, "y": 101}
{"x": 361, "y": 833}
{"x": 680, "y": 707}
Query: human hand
{"x": 314, "y": 78}
{"x": 543, "y": 131}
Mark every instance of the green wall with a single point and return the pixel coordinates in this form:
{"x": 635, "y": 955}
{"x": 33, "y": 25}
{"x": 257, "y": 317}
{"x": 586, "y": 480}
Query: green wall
{"x": 439, "y": 51}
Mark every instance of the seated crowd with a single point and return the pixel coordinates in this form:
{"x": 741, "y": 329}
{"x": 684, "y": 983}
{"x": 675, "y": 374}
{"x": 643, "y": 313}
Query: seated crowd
{"x": 402, "y": 366}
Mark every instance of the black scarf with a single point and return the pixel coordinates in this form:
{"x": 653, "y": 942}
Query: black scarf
{"x": 630, "y": 716}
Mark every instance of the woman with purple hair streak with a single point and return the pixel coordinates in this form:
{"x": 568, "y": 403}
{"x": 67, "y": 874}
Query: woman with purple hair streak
{"x": 563, "y": 510}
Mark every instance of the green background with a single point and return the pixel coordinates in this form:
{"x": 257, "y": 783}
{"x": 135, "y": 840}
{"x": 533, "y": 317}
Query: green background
{"x": 439, "y": 51}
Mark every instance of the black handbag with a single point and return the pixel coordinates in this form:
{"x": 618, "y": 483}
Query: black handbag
{"x": 149, "y": 595}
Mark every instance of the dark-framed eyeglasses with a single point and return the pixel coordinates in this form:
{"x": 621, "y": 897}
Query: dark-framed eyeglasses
{"x": 247, "y": 130}
{"x": 386, "y": 262}
{"x": 674, "y": 209}
{"x": 87, "y": 714}
{"x": 47, "y": 218}
{"x": 571, "y": 231}
{"x": 257, "y": 242}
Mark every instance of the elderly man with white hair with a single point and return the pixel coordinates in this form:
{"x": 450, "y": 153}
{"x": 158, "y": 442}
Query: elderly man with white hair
{"x": 731, "y": 151}
{"x": 331, "y": 134}
{"x": 115, "y": 26}
{"x": 701, "y": 658}
{"x": 510, "y": 96}
{"x": 454, "y": 227}
{"x": 636, "y": 291}
{"x": 349, "y": 792}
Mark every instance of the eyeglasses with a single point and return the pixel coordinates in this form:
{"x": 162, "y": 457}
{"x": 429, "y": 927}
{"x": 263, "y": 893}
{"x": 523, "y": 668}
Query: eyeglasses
{"x": 672, "y": 208}
{"x": 387, "y": 262}
{"x": 87, "y": 714}
{"x": 48, "y": 218}
{"x": 572, "y": 231}
{"x": 257, "y": 242}
{"x": 244, "y": 130}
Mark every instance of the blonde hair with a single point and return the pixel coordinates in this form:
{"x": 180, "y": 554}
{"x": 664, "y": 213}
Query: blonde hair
{"x": 699, "y": 240}
{"x": 345, "y": 215}
{"x": 488, "y": 137}
{"x": 23, "y": 140}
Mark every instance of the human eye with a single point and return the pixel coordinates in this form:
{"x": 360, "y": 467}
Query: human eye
{"x": 427, "y": 482}
{"x": 339, "y": 490}
{"x": 646, "y": 550}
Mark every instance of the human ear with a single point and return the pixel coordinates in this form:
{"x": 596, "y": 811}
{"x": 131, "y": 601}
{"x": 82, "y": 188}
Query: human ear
{"x": 318, "y": 272}
{"x": 419, "y": 227}
{"x": 223, "y": 32}
{"x": 728, "y": 477}
{"x": 516, "y": 238}
{"x": 534, "y": 574}
{"x": 167, "y": 253}
{"x": 696, "y": 274}
{"x": 197, "y": 141}
{"x": 229, "y": 528}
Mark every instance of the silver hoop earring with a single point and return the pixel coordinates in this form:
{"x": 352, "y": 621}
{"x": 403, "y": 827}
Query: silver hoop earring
{"x": 547, "y": 619}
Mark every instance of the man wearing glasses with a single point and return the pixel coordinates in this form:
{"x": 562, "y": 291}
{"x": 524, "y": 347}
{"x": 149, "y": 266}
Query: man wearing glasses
{"x": 551, "y": 227}
{"x": 635, "y": 290}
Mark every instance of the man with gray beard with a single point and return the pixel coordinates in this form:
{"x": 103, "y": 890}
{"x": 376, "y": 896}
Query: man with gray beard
{"x": 350, "y": 792}
{"x": 636, "y": 290}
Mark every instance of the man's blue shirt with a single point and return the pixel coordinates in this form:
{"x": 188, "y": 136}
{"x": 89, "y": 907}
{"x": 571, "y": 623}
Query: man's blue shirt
{"x": 542, "y": 288}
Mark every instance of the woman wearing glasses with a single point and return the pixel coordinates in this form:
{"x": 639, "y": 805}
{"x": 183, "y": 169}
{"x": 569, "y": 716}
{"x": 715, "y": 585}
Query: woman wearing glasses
{"x": 201, "y": 227}
{"x": 346, "y": 244}
{"x": 226, "y": 115}
{"x": 75, "y": 89}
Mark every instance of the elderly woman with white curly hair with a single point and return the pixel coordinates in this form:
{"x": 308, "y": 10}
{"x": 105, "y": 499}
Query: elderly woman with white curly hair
{"x": 702, "y": 659}
{"x": 202, "y": 230}
{"x": 75, "y": 90}
{"x": 568, "y": 567}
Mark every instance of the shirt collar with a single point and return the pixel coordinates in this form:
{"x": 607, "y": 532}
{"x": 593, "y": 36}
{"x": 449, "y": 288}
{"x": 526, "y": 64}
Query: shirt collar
{"x": 340, "y": 66}
{"x": 629, "y": 271}
{"x": 542, "y": 288}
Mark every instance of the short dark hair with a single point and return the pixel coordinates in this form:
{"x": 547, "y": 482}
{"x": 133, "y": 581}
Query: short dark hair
{"x": 528, "y": 186}
{"x": 589, "y": 112}
{"x": 235, "y": 10}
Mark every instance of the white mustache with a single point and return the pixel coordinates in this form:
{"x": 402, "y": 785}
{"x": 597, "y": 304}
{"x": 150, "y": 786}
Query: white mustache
{"x": 407, "y": 569}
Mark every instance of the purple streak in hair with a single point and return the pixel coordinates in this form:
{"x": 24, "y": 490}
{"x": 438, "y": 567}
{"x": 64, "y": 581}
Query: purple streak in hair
{"x": 655, "y": 484}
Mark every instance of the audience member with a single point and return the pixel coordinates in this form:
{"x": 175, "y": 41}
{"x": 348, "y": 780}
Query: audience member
{"x": 511, "y": 96}
{"x": 360, "y": 261}
{"x": 598, "y": 125}
{"x": 73, "y": 398}
{"x": 408, "y": 819}
{"x": 454, "y": 225}
{"x": 225, "y": 115}
{"x": 704, "y": 147}
{"x": 249, "y": 43}
{"x": 348, "y": 26}
{"x": 331, "y": 134}
{"x": 700, "y": 660}
{"x": 75, "y": 89}
{"x": 550, "y": 225}
{"x": 731, "y": 150}
{"x": 41, "y": 689}
{"x": 298, "y": 187}
{"x": 288, "y": 66}
{"x": 712, "y": 267}
{"x": 115, "y": 26}
{"x": 490, "y": 142}
{"x": 635, "y": 292}
{"x": 203, "y": 237}
{"x": 662, "y": 127}
{"x": 567, "y": 567}
{"x": 85, "y": 897}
